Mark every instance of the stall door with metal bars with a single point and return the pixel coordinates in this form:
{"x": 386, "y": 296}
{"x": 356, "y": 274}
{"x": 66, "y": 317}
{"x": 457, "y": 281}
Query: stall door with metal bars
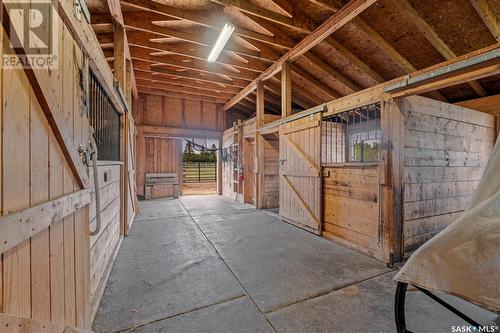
{"x": 300, "y": 173}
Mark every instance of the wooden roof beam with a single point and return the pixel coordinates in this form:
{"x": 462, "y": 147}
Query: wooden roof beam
{"x": 200, "y": 52}
{"x": 206, "y": 19}
{"x": 347, "y": 83}
{"x": 329, "y": 41}
{"x": 243, "y": 109}
{"x": 315, "y": 82}
{"x": 299, "y": 94}
{"x": 434, "y": 39}
{"x": 347, "y": 13}
{"x": 387, "y": 48}
{"x": 189, "y": 83}
{"x": 161, "y": 92}
{"x": 488, "y": 17}
{"x": 193, "y": 64}
{"x": 204, "y": 39}
{"x": 187, "y": 73}
{"x": 471, "y": 66}
{"x": 172, "y": 86}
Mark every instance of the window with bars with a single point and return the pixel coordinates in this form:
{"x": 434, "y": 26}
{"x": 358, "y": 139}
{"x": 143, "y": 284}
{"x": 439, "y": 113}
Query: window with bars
{"x": 352, "y": 136}
{"x": 105, "y": 120}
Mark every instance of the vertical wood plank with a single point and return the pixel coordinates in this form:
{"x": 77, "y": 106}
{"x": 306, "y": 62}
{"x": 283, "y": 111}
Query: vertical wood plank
{"x": 286, "y": 90}
{"x": 68, "y": 104}
{"x": 40, "y": 256}
{"x": 16, "y": 179}
{"x": 82, "y": 268}
{"x": 56, "y": 235}
{"x": 1, "y": 164}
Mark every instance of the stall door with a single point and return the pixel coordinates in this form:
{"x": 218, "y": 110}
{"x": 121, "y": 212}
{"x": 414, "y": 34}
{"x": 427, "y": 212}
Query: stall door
{"x": 300, "y": 173}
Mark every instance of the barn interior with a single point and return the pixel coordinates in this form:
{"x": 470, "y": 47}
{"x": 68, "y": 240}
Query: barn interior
{"x": 240, "y": 166}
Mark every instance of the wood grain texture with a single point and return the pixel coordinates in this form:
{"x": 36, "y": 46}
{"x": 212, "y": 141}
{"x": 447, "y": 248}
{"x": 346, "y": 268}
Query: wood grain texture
{"x": 446, "y": 148}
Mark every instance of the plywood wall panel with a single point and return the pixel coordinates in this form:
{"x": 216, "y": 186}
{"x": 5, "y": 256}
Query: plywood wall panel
{"x": 192, "y": 114}
{"x": 173, "y": 112}
{"x": 153, "y": 111}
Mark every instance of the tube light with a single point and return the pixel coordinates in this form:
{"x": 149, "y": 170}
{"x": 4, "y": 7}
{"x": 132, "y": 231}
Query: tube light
{"x": 221, "y": 42}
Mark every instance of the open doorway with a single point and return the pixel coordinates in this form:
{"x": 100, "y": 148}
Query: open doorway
{"x": 199, "y": 166}
{"x": 249, "y": 171}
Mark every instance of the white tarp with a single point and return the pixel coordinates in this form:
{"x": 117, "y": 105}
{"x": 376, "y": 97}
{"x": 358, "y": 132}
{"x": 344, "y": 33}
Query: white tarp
{"x": 464, "y": 259}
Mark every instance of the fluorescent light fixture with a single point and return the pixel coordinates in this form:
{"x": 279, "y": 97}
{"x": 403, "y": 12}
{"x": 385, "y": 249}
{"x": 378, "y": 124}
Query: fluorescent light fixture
{"x": 221, "y": 42}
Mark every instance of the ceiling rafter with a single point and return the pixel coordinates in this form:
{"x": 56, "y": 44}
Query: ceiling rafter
{"x": 434, "y": 39}
{"x": 208, "y": 20}
{"x": 488, "y": 16}
{"x": 348, "y": 84}
{"x": 155, "y": 91}
{"x": 316, "y": 82}
{"x": 182, "y": 77}
{"x": 181, "y": 88}
{"x": 298, "y": 93}
{"x": 188, "y": 74}
{"x": 201, "y": 38}
{"x": 186, "y": 82}
{"x": 193, "y": 64}
{"x": 335, "y": 22}
{"x": 388, "y": 49}
{"x": 142, "y": 39}
{"x": 330, "y": 41}
{"x": 312, "y": 81}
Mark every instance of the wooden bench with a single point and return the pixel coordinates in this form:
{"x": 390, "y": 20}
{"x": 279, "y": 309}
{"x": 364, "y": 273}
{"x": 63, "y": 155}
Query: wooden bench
{"x": 161, "y": 185}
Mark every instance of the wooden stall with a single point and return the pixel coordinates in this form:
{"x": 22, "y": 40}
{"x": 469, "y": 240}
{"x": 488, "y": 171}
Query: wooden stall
{"x": 444, "y": 150}
{"x": 350, "y": 156}
{"x": 105, "y": 244}
{"x": 427, "y": 158}
{"x": 52, "y": 271}
{"x": 240, "y": 168}
{"x": 238, "y": 162}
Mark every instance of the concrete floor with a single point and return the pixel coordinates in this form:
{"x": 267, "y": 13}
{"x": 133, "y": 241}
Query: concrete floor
{"x": 208, "y": 264}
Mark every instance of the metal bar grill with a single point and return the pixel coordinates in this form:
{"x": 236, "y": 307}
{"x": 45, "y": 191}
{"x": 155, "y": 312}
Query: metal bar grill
{"x": 352, "y": 136}
{"x": 105, "y": 120}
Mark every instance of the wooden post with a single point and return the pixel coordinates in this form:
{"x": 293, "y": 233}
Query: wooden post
{"x": 286, "y": 90}
{"x": 219, "y": 168}
{"x": 128, "y": 83}
{"x": 120, "y": 65}
{"x": 259, "y": 146}
{"x": 181, "y": 166}
{"x": 391, "y": 165}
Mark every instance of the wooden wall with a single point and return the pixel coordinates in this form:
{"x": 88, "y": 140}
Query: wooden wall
{"x": 156, "y": 110}
{"x": 104, "y": 245}
{"x": 46, "y": 276}
{"x": 157, "y": 155}
{"x": 446, "y": 149}
{"x": 351, "y": 206}
{"x": 172, "y": 119}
